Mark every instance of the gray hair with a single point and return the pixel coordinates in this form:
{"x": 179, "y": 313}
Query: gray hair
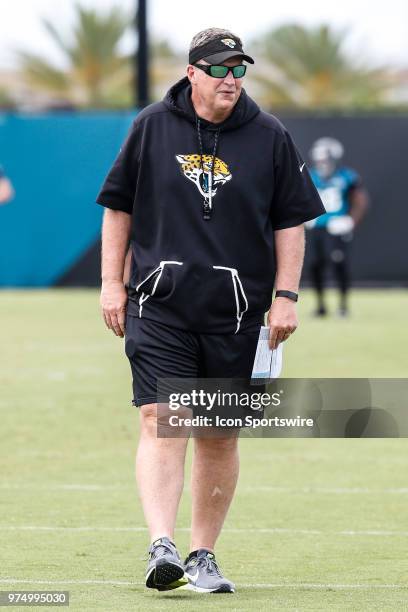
{"x": 210, "y": 34}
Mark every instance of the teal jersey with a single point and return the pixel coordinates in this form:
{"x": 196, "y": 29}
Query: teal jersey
{"x": 334, "y": 192}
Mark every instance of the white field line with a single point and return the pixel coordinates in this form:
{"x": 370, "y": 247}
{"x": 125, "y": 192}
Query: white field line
{"x": 260, "y": 530}
{"x": 268, "y": 585}
{"x": 249, "y": 489}
{"x": 328, "y": 490}
{"x": 64, "y": 487}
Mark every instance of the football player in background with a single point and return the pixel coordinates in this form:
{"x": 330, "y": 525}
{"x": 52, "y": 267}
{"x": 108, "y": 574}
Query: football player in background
{"x": 330, "y": 235}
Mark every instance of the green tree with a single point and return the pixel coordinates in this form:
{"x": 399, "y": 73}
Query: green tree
{"x": 308, "y": 68}
{"x": 97, "y": 74}
{"x": 7, "y": 102}
{"x": 95, "y": 70}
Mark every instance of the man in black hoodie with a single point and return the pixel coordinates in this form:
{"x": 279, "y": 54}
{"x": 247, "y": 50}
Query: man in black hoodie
{"x": 210, "y": 190}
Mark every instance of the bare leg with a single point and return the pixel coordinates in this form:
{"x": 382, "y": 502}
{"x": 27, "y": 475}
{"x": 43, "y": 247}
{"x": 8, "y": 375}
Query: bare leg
{"x": 213, "y": 480}
{"x": 159, "y": 474}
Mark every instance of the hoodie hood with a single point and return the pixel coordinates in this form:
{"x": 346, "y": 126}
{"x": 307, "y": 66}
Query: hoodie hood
{"x": 178, "y": 100}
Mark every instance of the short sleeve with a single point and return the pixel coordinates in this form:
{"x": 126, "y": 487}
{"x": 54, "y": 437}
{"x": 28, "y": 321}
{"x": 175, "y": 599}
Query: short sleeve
{"x": 295, "y": 199}
{"x": 118, "y": 189}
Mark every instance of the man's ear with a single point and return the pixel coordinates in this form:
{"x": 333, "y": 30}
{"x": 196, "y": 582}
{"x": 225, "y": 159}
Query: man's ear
{"x": 191, "y": 74}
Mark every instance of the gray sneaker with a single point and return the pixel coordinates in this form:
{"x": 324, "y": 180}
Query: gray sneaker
{"x": 204, "y": 575}
{"x": 165, "y": 570}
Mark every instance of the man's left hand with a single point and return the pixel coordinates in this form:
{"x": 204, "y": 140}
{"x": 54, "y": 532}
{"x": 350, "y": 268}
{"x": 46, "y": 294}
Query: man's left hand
{"x": 282, "y": 320}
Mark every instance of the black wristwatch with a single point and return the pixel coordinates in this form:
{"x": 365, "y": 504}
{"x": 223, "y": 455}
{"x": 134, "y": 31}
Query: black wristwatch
{"x": 287, "y": 294}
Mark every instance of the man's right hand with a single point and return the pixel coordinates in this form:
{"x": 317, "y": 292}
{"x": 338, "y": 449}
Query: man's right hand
{"x": 113, "y": 302}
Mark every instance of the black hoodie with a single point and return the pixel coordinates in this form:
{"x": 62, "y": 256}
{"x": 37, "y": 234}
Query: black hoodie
{"x": 214, "y": 274}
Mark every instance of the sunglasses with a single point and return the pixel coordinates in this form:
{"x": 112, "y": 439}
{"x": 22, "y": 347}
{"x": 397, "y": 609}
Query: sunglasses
{"x": 220, "y": 72}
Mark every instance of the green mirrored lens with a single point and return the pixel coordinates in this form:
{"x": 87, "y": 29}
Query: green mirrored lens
{"x": 238, "y": 71}
{"x": 218, "y": 71}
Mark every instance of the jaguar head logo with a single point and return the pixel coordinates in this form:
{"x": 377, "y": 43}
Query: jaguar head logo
{"x": 190, "y": 167}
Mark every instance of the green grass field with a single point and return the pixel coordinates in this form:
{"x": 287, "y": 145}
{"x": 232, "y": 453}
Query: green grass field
{"x": 315, "y": 525}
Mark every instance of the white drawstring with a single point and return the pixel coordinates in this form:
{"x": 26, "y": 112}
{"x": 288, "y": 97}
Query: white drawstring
{"x": 235, "y": 280}
{"x": 159, "y": 269}
{"x": 240, "y": 314}
{"x": 236, "y": 283}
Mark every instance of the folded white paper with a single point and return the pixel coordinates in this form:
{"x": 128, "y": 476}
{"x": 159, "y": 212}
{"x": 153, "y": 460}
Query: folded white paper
{"x": 267, "y": 362}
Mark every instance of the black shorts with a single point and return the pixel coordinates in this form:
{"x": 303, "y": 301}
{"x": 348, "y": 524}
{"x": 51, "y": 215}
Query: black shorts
{"x": 157, "y": 351}
{"x": 326, "y": 248}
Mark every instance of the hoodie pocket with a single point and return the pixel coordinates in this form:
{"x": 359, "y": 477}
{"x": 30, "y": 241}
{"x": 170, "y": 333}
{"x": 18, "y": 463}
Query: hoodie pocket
{"x": 241, "y": 302}
{"x": 152, "y": 284}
